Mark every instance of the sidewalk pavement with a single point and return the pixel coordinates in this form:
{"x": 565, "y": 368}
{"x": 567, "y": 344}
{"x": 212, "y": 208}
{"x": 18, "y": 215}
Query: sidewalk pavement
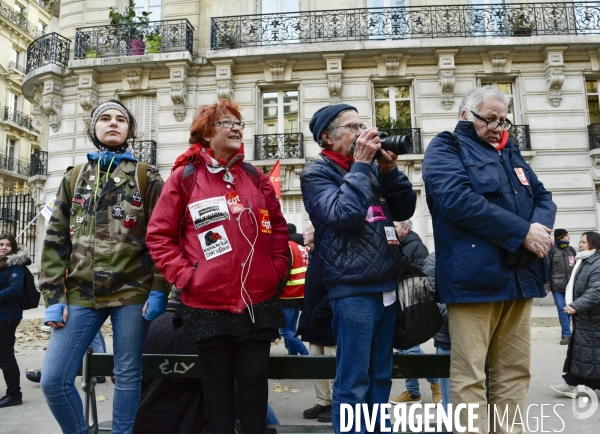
{"x": 34, "y": 417}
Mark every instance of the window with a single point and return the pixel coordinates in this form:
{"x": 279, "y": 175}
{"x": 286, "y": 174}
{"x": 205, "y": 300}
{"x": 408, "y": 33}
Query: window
{"x": 152, "y": 6}
{"x": 15, "y": 57}
{"x": 11, "y": 144}
{"x": 42, "y": 28}
{"x": 280, "y": 31}
{"x": 20, "y": 9}
{"x": 143, "y": 108}
{"x": 591, "y": 89}
{"x": 508, "y": 88}
{"x": 389, "y": 23}
{"x": 293, "y": 211}
{"x": 280, "y": 112}
{"x": 393, "y": 102}
{"x": 13, "y": 102}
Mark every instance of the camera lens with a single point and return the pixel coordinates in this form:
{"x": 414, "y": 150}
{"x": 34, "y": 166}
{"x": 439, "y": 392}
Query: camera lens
{"x": 399, "y": 145}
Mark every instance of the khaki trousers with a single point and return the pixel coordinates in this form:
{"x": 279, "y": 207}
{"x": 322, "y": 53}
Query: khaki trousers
{"x": 323, "y": 388}
{"x": 501, "y": 331}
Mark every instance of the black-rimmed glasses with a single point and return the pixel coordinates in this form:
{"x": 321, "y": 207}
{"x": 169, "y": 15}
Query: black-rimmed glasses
{"x": 493, "y": 125}
{"x": 229, "y": 124}
{"x": 354, "y": 127}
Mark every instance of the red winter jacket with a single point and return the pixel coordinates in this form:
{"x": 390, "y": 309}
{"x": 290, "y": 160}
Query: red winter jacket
{"x": 207, "y": 260}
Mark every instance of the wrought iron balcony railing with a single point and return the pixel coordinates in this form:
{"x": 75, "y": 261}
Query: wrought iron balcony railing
{"x": 485, "y": 20}
{"x": 134, "y": 39}
{"x": 13, "y": 65}
{"x": 50, "y": 48}
{"x": 278, "y": 146}
{"x": 520, "y": 137}
{"x": 594, "y": 136}
{"x": 19, "y": 19}
{"x": 21, "y": 119}
{"x": 144, "y": 150}
{"x": 413, "y": 133}
{"x": 43, "y": 3}
{"x": 13, "y": 165}
{"x": 39, "y": 163}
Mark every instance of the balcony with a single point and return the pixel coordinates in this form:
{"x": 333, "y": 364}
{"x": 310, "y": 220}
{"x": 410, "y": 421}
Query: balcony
{"x": 39, "y": 163}
{"x": 412, "y": 22}
{"x": 21, "y": 119}
{"x": 18, "y": 68}
{"x": 19, "y": 20}
{"x": 144, "y": 150}
{"x": 413, "y": 133}
{"x": 278, "y": 146}
{"x": 45, "y": 4}
{"x": 134, "y": 39}
{"x": 50, "y": 48}
{"x": 14, "y": 166}
{"x": 520, "y": 137}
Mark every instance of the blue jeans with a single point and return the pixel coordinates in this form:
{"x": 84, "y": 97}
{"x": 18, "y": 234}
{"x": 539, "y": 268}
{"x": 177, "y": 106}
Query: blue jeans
{"x": 444, "y": 382}
{"x": 364, "y": 330}
{"x": 564, "y": 318}
{"x": 271, "y": 416}
{"x": 293, "y": 344}
{"x": 66, "y": 349}
{"x": 98, "y": 344}
{"x": 412, "y": 384}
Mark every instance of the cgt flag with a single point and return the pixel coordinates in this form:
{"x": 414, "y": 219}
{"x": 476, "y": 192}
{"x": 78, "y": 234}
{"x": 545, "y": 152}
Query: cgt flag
{"x": 275, "y": 177}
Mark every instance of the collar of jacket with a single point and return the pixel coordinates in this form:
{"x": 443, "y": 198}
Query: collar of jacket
{"x": 19, "y": 258}
{"x": 465, "y": 129}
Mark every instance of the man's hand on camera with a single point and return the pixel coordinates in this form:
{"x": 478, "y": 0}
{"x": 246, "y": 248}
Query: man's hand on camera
{"x": 366, "y": 145}
{"x": 538, "y": 239}
{"x": 386, "y": 161}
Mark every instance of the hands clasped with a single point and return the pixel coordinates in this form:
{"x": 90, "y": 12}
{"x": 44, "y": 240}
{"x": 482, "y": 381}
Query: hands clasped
{"x": 538, "y": 240}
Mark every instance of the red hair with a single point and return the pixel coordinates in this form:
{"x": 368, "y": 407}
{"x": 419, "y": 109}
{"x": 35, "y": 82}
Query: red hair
{"x": 203, "y": 126}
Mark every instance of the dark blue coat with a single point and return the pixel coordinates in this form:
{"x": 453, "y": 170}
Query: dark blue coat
{"x": 481, "y": 211}
{"x": 350, "y": 250}
{"x": 11, "y": 285}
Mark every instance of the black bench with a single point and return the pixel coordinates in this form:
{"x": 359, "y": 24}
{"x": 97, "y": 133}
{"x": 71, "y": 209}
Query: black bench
{"x": 280, "y": 367}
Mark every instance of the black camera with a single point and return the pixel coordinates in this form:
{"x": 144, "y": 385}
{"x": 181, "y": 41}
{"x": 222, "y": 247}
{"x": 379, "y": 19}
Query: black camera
{"x": 399, "y": 145}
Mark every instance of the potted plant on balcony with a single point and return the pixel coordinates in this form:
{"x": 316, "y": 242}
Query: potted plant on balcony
{"x": 154, "y": 41}
{"x": 130, "y": 28}
{"x": 520, "y": 24}
{"x": 228, "y": 40}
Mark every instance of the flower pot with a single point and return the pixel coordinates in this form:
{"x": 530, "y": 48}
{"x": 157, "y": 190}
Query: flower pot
{"x": 153, "y": 44}
{"x": 522, "y": 32}
{"x": 137, "y": 47}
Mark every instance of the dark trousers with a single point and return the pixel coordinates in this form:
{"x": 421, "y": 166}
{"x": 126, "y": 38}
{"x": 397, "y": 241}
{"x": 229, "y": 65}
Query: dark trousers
{"x": 8, "y": 361}
{"x": 246, "y": 364}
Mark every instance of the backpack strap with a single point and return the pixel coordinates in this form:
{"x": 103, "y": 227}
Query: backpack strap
{"x": 253, "y": 172}
{"x": 142, "y": 181}
{"x": 75, "y": 178}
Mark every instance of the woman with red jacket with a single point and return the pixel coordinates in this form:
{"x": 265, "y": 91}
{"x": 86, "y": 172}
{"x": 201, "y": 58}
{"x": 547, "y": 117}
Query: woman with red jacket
{"x": 218, "y": 233}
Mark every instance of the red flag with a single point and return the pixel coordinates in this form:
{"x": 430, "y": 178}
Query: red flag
{"x": 275, "y": 177}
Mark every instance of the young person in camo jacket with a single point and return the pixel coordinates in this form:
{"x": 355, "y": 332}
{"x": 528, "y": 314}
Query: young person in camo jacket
{"x": 97, "y": 234}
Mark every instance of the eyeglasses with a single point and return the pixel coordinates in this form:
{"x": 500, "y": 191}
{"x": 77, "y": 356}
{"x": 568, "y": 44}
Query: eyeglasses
{"x": 354, "y": 127}
{"x": 230, "y": 124}
{"x": 493, "y": 125}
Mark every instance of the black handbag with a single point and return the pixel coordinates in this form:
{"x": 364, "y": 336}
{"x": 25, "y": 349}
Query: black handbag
{"x": 419, "y": 317}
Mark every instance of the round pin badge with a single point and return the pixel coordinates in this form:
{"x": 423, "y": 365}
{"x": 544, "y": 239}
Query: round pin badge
{"x": 118, "y": 212}
{"x": 131, "y": 184}
{"x": 117, "y": 179}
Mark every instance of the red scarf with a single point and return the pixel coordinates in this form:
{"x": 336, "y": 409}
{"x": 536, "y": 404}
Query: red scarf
{"x": 341, "y": 160}
{"x": 503, "y": 140}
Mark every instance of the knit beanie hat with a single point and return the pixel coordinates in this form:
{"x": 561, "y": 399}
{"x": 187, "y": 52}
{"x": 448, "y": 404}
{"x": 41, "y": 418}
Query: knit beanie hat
{"x": 323, "y": 117}
{"x": 559, "y": 233}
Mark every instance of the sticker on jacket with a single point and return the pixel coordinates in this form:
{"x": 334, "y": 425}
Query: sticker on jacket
{"x": 214, "y": 242}
{"x": 265, "y": 221}
{"x": 571, "y": 261}
{"x": 234, "y": 202}
{"x": 207, "y": 211}
{"x": 375, "y": 213}
{"x": 390, "y": 234}
{"x": 521, "y": 175}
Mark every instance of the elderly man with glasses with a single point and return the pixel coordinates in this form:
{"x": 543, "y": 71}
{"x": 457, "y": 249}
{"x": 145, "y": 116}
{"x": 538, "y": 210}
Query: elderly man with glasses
{"x": 491, "y": 223}
{"x": 352, "y": 203}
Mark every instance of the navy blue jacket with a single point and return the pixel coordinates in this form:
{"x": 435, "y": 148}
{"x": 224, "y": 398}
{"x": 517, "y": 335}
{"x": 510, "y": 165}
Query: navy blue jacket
{"x": 11, "y": 285}
{"x": 353, "y": 253}
{"x": 481, "y": 211}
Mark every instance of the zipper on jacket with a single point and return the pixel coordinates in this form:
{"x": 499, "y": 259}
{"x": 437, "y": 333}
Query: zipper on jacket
{"x": 120, "y": 222}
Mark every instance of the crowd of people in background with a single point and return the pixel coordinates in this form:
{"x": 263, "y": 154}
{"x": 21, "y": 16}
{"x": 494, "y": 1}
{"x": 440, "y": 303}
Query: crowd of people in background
{"x": 119, "y": 239}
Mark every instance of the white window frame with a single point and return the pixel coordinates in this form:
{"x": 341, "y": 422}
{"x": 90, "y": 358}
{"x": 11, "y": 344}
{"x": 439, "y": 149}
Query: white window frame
{"x": 280, "y": 110}
{"x": 144, "y": 6}
{"x": 11, "y": 148}
{"x": 391, "y": 100}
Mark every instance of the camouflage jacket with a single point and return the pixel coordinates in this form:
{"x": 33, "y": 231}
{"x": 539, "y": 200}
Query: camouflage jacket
{"x": 97, "y": 238}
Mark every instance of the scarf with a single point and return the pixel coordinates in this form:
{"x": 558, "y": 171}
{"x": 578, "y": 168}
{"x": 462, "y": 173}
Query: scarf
{"x": 561, "y": 244}
{"x": 194, "y": 155}
{"x": 580, "y": 257}
{"x": 339, "y": 159}
{"x": 108, "y": 159}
